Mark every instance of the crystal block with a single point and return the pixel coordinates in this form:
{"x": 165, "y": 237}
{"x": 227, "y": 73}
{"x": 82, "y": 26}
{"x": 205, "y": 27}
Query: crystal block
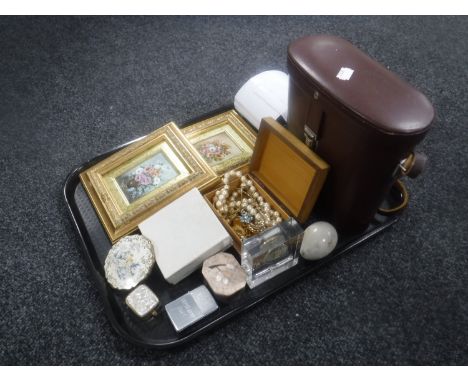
{"x": 142, "y": 301}
{"x": 271, "y": 252}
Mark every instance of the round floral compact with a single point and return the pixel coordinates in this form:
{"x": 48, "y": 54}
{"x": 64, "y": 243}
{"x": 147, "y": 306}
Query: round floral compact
{"x": 129, "y": 261}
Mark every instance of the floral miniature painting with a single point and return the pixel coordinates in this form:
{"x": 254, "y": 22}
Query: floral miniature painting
{"x": 146, "y": 177}
{"x": 218, "y": 148}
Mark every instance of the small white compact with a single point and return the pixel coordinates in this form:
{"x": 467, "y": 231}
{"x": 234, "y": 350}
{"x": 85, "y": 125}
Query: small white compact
{"x": 142, "y": 301}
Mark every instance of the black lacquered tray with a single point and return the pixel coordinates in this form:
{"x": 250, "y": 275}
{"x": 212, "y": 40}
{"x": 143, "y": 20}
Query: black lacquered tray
{"x": 158, "y": 332}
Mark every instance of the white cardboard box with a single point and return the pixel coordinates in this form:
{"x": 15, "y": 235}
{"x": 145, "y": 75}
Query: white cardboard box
{"x": 184, "y": 234}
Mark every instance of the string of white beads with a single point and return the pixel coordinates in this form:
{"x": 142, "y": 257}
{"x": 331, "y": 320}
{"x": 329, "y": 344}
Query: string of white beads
{"x": 246, "y": 198}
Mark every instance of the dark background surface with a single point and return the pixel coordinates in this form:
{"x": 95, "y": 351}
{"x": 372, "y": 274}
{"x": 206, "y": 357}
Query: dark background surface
{"x": 71, "y": 88}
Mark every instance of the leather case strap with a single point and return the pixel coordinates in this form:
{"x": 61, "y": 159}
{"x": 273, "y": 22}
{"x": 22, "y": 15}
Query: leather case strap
{"x": 400, "y": 186}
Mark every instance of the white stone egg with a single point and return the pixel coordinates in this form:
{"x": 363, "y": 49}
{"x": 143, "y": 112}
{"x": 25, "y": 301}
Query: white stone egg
{"x": 319, "y": 240}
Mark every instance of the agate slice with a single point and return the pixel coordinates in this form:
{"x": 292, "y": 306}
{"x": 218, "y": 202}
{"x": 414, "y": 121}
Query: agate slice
{"x": 224, "y": 275}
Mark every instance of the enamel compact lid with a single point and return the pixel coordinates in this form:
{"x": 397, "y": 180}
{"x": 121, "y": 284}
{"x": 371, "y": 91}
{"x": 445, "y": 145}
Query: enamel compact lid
{"x": 287, "y": 168}
{"x": 129, "y": 261}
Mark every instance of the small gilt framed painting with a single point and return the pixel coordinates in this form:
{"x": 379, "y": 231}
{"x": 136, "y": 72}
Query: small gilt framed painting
{"x": 225, "y": 141}
{"x": 135, "y": 182}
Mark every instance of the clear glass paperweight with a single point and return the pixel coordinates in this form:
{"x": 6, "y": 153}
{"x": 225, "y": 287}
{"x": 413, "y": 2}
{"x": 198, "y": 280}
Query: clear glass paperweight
{"x": 271, "y": 252}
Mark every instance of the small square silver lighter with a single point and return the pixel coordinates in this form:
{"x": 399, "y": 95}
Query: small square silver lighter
{"x": 191, "y": 307}
{"x": 142, "y": 301}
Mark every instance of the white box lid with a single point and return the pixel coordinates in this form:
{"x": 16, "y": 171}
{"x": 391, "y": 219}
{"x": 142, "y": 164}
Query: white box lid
{"x": 184, "y": 234}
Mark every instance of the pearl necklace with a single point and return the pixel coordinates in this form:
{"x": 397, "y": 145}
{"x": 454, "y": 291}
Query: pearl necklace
{"x": 244, "y": 209}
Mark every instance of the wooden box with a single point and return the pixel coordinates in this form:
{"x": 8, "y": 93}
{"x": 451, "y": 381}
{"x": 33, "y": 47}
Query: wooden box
{"x": 285, "y": 173}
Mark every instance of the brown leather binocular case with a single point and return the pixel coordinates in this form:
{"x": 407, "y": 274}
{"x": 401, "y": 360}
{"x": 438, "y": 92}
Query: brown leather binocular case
{"x": 361, "y": 118}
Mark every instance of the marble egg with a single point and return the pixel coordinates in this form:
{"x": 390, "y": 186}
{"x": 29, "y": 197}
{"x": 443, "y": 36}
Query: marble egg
{"x": 319, "y": 240}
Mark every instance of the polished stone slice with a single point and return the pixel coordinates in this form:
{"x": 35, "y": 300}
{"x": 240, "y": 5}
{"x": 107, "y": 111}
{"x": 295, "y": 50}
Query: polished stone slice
{"x": 319, "y": 240}
{"x": 224, "y": 275}
{"x": 129, "y": 262}
{"x": 142, "y": 301}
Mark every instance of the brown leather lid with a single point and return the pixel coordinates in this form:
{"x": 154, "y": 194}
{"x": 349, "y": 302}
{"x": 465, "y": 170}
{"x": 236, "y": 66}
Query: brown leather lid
{"x": 366, "y": 88}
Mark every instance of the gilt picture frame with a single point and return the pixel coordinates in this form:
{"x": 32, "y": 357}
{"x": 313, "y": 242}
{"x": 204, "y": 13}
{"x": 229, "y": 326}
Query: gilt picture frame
{"x": 135, "y": 182}
{"x": 225, "y": 141}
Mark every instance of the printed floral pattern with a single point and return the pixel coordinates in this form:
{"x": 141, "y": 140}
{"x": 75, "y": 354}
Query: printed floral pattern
{"x": 146, "y": 177}
{"x": 214, "y": 151}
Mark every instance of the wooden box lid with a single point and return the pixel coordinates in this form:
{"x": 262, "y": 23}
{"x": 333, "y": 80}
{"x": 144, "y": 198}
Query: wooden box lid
{"x": 290, "y": 171}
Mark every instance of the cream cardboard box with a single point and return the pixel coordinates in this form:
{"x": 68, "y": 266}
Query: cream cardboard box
{"x": 184, "y": 234}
